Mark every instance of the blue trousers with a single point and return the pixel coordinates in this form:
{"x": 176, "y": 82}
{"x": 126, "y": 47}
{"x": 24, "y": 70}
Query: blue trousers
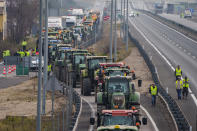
{"x": 179, "y": 93}
{"x": 153, "y": 99}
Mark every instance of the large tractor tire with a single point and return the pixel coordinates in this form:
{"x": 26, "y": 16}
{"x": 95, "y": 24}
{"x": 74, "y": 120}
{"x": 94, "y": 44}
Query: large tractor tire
{"x": 86, "y": 87}
{"x": 74, "y": 81}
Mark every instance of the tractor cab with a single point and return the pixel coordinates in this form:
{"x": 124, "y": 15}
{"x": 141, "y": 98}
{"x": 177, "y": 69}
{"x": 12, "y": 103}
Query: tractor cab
{"x": 88, "y": 74}
{"x": 118, "y": 92}
{"x": 121, "y": 120}
{"x": 60, "y": 53}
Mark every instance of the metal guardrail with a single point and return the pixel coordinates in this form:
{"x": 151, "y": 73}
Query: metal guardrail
{"x": 180, "y": 119}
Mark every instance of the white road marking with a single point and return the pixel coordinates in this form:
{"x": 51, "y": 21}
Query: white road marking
{"x": 151, "y": 119}
{"x": 91, "y": 128}
{"x": 77, "y": 121}
{"x": 193, "y": 57}
{"x": 192, "y": 95}
{"x": 189, "y": 53}
{"x": 177, "y": 44}
{"x": 184, "y": 50}
{"x": 180, "y": 47}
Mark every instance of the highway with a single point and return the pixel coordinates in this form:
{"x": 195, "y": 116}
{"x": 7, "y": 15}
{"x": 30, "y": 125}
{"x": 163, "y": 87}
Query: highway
{"x": 176, "y": 18}
{"x": 174, "y": 49}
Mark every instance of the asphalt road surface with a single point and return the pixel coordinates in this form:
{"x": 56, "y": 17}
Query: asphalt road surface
{"x": 182, "y": 21}
{"x": 177, "y": 49}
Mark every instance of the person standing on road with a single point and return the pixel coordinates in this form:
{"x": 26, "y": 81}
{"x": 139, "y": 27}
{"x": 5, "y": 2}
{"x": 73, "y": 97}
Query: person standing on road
{"x": 178, "y": 72}
{"x": 179, "y": 87}
{"x": 24, "y": 44}
{"x": 154, "y": 91}
{"x": 185, "y": 87}
{"x": 49, "y": 69}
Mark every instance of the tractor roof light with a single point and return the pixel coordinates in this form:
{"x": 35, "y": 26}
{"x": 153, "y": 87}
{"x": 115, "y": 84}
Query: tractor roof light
{"x": 117, "y": 126}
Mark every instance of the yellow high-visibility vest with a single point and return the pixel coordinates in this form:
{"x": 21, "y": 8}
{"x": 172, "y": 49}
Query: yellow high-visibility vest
{"x": 153, "y": 90}
{"x": 178, "y": 72}
{"x": 49, "y": 68}
{"x": 186, "y": 83}
{"x": 22, "y": 54}
{"x": 179, "y": 84}
{"x": 27, "y": 53}
{"x": 24, "y": 43}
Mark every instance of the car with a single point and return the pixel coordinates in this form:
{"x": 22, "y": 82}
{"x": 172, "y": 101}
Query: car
{"x": 132, "y": 14}
{"x": 34, "y": 63}
{"x": 187, "y": 14}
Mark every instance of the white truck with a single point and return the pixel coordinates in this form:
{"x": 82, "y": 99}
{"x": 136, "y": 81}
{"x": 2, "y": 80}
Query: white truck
{"x": 69, "y": 21}
{"x": 54, "y": 22}
{"x": 77, "y": 12}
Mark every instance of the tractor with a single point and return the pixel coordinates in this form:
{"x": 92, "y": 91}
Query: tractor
{"x": 109, "y": 70}
{"x": 118, "y": 92}
{"x": 78, "y": 64}
{"x": 60, "y": 53}
{"x": 69, "y": 60}
{"x": 121, "y": 120}
{"x": 88, "y": 75}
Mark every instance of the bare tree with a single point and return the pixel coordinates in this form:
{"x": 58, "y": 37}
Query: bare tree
{"x": 22, "y": 15}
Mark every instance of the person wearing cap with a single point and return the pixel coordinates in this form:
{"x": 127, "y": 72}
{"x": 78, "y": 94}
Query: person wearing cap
{"x": 185, "y": 87}
{"x": 179, "y": 87}
{"x": 153, "y": 91}
{"x": 178, "y": 72}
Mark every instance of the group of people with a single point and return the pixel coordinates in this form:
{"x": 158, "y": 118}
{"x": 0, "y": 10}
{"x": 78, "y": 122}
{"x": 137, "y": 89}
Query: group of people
{"x": 182, "y": 86}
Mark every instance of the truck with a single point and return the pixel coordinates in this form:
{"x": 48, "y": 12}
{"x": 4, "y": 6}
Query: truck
{"x": 54, "y": 22}
{"x": 69, "y": 21}
{"x": 77, "y": 12}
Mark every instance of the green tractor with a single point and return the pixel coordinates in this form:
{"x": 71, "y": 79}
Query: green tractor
{"x": 118, "y": 92}
{"x": 121, "y": 120}
{"x": 60, "y": 53}
{"x": 109, "y": 71}
{"x": 69, "y": 60}
{"x": 78, "y": 64}
{"x": 88, "y": 75}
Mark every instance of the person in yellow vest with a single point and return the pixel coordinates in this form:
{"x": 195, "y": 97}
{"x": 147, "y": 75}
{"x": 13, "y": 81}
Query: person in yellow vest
{"x": 24, "y": 44}
{"x": 49, "y": 69}
{"x": 179, "y": 87}
{"x": 185, "y": 87}
{"x": 178, "y": 72}
{"x": 27, "y": 53}
{"x": 153, "y": 91}
{"x": 22, "y": 53}
{"x": 4, "y": 54}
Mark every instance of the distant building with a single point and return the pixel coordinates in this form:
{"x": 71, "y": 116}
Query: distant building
{"x": 3, "y": 20}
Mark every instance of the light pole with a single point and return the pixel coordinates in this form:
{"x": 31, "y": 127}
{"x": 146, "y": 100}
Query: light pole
{"x": 45, "y": 58}
{"x": 121, "y": 19}
{"x": 115, "y": 33}
{"x": 38, "y": 119}
{"x": 124, "y": 32}
{"x": 111, "y": 31}
{"x": 127, "y": 27}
